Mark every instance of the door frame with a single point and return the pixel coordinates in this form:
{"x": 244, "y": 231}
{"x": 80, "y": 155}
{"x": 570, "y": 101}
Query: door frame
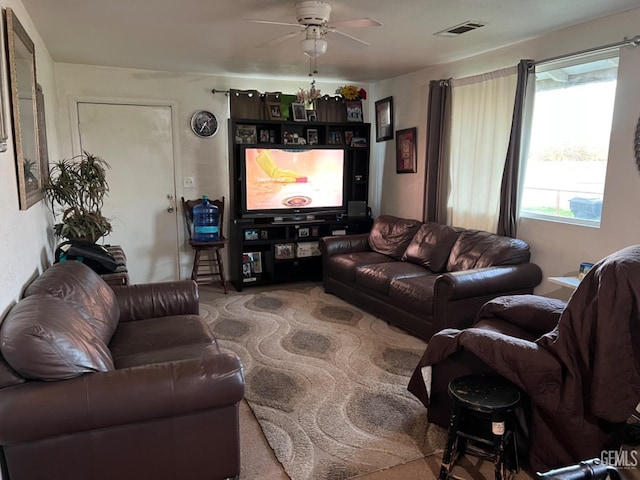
{"x": 76, "y": 149}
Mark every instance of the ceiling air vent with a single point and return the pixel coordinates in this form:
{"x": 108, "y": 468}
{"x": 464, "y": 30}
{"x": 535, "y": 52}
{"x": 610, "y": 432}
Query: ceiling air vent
{"x": 460, "y": 29}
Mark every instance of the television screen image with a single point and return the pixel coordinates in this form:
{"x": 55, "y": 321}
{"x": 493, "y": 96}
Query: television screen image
{"x": 281, "y": 179}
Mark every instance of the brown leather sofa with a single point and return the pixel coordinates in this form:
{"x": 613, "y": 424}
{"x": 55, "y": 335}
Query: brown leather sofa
{"x": 126, "y": 382}
{"x": 424, "y": 277}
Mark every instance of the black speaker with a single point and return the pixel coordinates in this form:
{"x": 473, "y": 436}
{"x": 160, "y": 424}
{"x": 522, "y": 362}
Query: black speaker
{"x": 357, "y": 209}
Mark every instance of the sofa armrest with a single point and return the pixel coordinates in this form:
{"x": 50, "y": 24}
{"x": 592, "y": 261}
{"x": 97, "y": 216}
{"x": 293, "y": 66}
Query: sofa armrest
{"x": 338, "y": 244}
{"x": 487, "y": 281}
{"x": 150, "y": 300}
{"x": 38, "y": 410}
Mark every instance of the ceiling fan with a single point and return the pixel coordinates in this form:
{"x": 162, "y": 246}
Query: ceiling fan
{"x": 313, "y": 24}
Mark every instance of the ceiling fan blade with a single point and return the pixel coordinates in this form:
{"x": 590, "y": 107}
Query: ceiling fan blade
{"x": 357, "y": 22}
{"x": 279, "y": 39}
{"x": 274, "y": 23}
{"x": 353, "y": 42}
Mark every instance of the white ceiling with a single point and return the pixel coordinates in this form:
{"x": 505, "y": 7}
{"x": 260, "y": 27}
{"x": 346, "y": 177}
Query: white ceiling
{"x": 213, "y": 37}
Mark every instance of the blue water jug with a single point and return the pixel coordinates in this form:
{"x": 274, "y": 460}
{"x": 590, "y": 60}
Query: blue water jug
{"x": 205, "y": 221}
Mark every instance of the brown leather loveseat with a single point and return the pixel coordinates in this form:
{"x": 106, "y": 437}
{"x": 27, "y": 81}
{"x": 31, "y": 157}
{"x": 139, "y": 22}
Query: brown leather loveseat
{"x": 424, "y": 277}
{"x": 126, "y": 382}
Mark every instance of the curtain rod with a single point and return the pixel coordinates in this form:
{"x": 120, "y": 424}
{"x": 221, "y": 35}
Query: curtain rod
{"x": 634, "y": 42}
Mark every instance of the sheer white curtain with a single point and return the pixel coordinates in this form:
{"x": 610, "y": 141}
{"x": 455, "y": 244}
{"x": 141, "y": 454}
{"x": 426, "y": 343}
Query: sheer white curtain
{"x": 481, "y": 114}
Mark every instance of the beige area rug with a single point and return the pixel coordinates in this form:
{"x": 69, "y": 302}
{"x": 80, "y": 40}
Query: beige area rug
{"x": 326, "y": 381}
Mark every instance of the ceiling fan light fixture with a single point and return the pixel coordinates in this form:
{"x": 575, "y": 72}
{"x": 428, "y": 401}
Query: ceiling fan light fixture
{"x": 314, "y": 47}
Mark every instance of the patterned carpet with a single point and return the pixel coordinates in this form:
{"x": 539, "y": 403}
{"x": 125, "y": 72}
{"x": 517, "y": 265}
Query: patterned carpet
{"x": 326, "y": 381}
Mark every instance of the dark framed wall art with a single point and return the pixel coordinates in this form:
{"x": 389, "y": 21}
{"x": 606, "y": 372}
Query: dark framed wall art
{"x": 406, "y": 150}
{"x": 384, "y": 119}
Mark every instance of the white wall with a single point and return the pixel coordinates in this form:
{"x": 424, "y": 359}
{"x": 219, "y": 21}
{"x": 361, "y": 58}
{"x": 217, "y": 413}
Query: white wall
{"x": 556, "y": 247}
{"x": 25, "y": 235}
{"x": 207, "y": 160}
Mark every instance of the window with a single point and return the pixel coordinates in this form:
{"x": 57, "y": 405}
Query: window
{"x": 569, "y": 141}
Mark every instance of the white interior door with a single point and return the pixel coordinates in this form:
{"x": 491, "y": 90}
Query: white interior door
{"x": 136, "y": 141}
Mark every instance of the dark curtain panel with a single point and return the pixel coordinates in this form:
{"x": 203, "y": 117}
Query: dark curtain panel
{"x": 436, "y": 171}
{"x": 331, "y": 109}
{"x": 246, "y": 104}
{"x": 508, "y": 218}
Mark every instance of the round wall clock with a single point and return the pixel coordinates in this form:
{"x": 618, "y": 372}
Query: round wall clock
{"x": 204, "y": 124}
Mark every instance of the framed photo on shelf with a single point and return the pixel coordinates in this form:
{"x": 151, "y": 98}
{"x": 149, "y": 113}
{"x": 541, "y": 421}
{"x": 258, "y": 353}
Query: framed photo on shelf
{"x": 384, "y": 119}
{"x": 299, "y": 112}
{"x": 251, "y": 266}
{"x": 285, "y": 251}
{"x": 246, "y": 134}
{"x": 264, "y": 136}
{"x": 312, "y": 136}
{"x": 335, "y": 138}
{"x": 354, "y": 110}
{"x": 251, "y": 234}
{"x": 274, "y": 109}
{"x": 406, "y": 150}
{"x": 358, "y": 142}
{"x": 255, "y": 258}
{"x": 348, "y": 136}
{"x": 312, "y": 116}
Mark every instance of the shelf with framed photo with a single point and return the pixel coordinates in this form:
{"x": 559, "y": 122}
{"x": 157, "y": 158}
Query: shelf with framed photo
{"x": 262, "y": 233}
{"x": 284, "y": 252}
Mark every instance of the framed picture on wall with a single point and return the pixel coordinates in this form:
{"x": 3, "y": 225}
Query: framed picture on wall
{"x": 406, "y": 150}
{"x": 384, "y": 119}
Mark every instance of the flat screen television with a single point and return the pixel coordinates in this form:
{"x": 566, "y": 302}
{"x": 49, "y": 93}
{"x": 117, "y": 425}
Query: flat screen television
{"x": 289, "y": 181}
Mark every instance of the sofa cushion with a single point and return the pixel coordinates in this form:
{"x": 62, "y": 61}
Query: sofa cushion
{"x": 81, "y": 287}
{"x": 46, "y": 338}
{"x": 157, "y": 334}
{"x": 479, "y": 249}
{"x": 415, "y": 294}
{"x": 431, "y": 246}
{"x": 391, "y": 235}
{"x": 377, "y": 277}
{"x": 343, "y": 267}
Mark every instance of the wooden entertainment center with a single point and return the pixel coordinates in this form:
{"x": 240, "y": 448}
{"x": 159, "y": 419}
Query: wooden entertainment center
{"x": 275, "y": 248}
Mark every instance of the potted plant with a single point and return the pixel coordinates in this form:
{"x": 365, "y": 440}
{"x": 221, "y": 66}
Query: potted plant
{"x": 76, "y": 191}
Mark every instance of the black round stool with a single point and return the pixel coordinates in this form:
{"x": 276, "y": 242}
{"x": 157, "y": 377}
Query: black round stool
{"x": 482, "y": 423}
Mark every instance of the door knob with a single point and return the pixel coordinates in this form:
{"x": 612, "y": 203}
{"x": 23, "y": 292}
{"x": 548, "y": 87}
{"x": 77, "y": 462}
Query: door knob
{"x": 171, "y": 209}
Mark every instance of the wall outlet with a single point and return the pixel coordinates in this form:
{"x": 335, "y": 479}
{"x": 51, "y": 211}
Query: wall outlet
{"x": 188, "y": 182}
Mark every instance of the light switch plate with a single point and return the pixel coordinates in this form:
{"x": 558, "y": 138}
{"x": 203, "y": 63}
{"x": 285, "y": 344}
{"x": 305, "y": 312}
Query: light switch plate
{"x": 188, "y": 182}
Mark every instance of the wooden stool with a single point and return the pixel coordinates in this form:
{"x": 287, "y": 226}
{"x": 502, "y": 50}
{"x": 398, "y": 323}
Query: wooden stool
{"x": 482, "y": 423}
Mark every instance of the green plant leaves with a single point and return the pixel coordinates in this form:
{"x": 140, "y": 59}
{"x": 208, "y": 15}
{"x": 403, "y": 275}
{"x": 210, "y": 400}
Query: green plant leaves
{"x": 76, "y": 191}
